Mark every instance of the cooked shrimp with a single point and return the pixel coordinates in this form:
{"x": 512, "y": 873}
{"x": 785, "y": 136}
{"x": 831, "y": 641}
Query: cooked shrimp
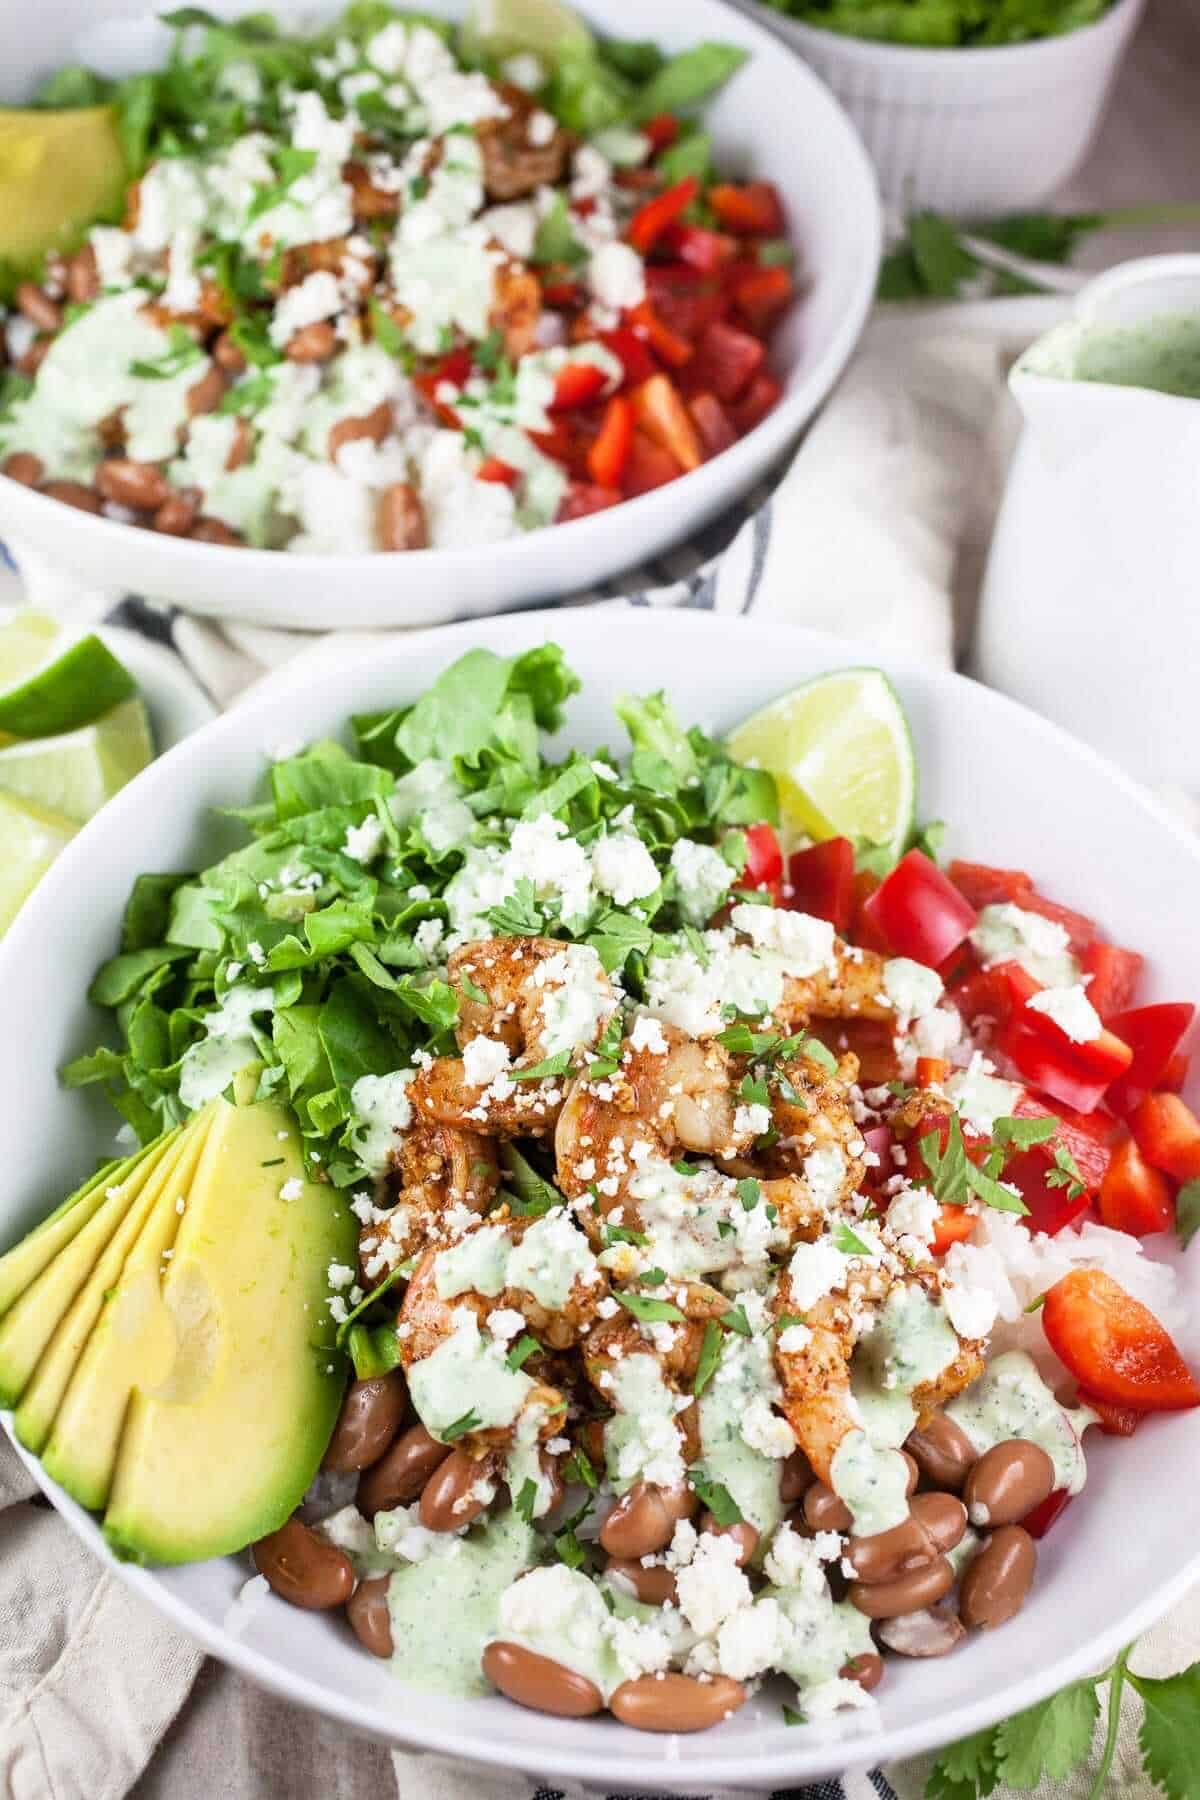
{"x": 513, "y": 165}
{"x": 438, "y": 1169}
{"x": 853, "y": 989}
{"x": 810, "y": 1115}
{"x": 675, "y": 1349}
{"x": 539, "y": 996}
{"x": 501, "y": 1106}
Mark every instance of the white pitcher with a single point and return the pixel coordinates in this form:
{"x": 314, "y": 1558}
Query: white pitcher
{"x": 1091, "y": 603}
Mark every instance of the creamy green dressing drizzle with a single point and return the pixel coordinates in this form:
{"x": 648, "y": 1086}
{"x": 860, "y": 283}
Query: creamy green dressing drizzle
{"x": 558, "y": 1613}
{"x": 641, "y": 1441}
{"x": 466, "y": 1374}
{"x": 444, "y": 1610}
{"x": 826, "y": 1633}
{"x": 1010, "y": 1400}
{"x": 742, "y": 1377}
{"x": 545, "y": 1262}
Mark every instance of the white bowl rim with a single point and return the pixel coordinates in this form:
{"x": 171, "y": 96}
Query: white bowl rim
{"x": 918, "y": 58}
{"x": 810, "y": 1761}
{"x": 763, "y": 444}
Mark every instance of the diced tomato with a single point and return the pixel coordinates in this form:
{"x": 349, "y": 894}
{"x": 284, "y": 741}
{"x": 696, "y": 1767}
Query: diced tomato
{"x": 669, "y": 345}
{"x": 1174, "y": 1076}
{"x": 501, "y": 473}
{"x": 822, "y": 882}
{"x": 727, "y": 360}
{"x": 661, "y": 413}
{"x": 651, "y": 220}
{"x": 753, "y": 210}
{"x": 649, "y": 466}
{"x": 700, "y": 249}
{"x": 662, "y": 130}
{"x": 1038, "y": 1522}
{"x": 763, "y": 298}
{"x": 1114, "y": 1346}
{"x": 1115, "y": 1421}
{"x": 583, "y": 498}
{"x": 981, "y": 885}
{"x": 631, "y": 352}
{"x": 1133, "y": 1196}
{"x": 713, "y": 423}
{"x": 1081, "y": 930}
{"x": 918, "y": 912}
{"x": 952, "y": 1225}
{"x": 764, "y": 858}
{"x": 760, "y": 398}
{"x": 610, "y": 451}
{"x": 1168, "y": 1135}
{"x": 1154, "y": 1034}
{"x": 1114, "y": 977}
{"x": 578, "y": 384}
{"x": 981, "y": 994}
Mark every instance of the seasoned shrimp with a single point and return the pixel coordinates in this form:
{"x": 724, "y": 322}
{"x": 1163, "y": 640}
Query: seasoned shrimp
{"x": 813, "y": 1136}
{"x": 500, "y": 1106}
{"x": 614, "y": 1344}
{"x": 437, "y": 1170}
{"x": 513, "y": 164}
{"x": 853, "y": 989}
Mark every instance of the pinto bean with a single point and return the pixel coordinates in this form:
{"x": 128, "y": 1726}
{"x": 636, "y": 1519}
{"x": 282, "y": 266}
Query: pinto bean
{"x": 215, "y": 531}
{"x": 1007, "y": 1482}
{"x": 943, "y": 1452}
{"x": 795, "y": 1478}
{"x": 73, "y": 493}
{"x": 826, "y": 1511}
{"x": 38, "y": 307}
{"x": 540, "y": 1684}
{"x": 943, "y": 1516}
{"x": 886, "y": 1554}
{"x": 205, "y": 395}
{"x": 743, "y": 1534}
{"x": 401, "y": 1473}
{"x": 654, "y": 1586}
{"x": 456, "y": 1492}
{"x": 933, "y": 1631}
{"x": 905, "y": 1593}
{"x": 374, "y": 426}
{"x": 304, "y": 1568}
{"x": 676, "y": 1703}
{"x": 644, "y": 1519}
{"x": 866, "y": 1669}
{"x": 176, "y": 516}
{"x": 137, "y": 484}
{"x": 367, "y": 1611}
{"x": 23, "y": 466}
{"x": 312, "y": 343}
{"x": 371, "y": 1415}
{"x": 400, "y": 519}
{"x": 996, "y": 1582}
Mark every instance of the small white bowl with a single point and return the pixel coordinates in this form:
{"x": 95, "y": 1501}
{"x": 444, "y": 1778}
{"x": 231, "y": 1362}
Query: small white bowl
{"x": 971, "y": 131}
{"x": 774, "y": 120}
{"x": 1016, "y": 791}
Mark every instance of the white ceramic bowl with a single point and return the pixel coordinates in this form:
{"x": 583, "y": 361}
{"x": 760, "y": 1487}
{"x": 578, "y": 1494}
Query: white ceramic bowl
{"x": 969, "y": 131}
{"x": 775, "y": 120}
{"x": 1016, "y": 791}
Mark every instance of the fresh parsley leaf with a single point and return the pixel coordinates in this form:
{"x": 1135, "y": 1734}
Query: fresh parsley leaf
{"x": 848, "y": 1241}
{"x": 555, "y": 241}
{"x": 684, "y": 1167}
{"x": 755, "y": 1093}
{"x": 992, "y": 1192}
{"x": 183, "y": 352}
{"x": 468, "y": 1422}
{"x": 1023, "y": 1133}
{"x": 567, "y": 1546}
{"x": 792, "y": 1717}
{"x": 649, "y": 1310}
{"x": 719, "y": 1501}
{"x": 786, "y": 1320}
{"x": 533, "y": 1196}
{"x": 608, "y": 1050}
{"x": 749, "y": 1192}
{"x": 652, "y": 1277}
{"x": 522, "y": 1350}
{"x": 735, "y": 1320}
{"x": 526, "y": 1500}
{"x": 1170, "y": 1733}
{"x": 710, "y": 1356}
{"x": 947, "y": 1168}
{"x": 553, "y": 1065}
{"x": 815, "y": 1051}
{"x": 966, "y": 1769}
{"x": 1049, "y": 1739}
{"x": 624, "y": 1234}
{"x": 520, "y": 915}
{"x": 578, "y": 1468}
{"x": 1187, "y": 1212}
{"x": 472, "y": 992}
{"x": 1066, "y": 1173}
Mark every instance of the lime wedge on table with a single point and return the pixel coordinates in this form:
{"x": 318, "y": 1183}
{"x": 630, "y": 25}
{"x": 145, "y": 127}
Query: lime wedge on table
{"x": 46, "y": 694}
{"x": 842, "y": 754}
{"x": 507, "y": 27}
{"x": 30, "y": 839}
{"x": 76, "y": 773}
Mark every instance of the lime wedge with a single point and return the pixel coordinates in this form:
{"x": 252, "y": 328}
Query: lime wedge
{"x": 30, "y": 839}
{"x": 59, "y": 172}
{"x": 75, "y": 774}
{"x": 497, "y": 28}
{"x": 842, "y": 754}
{"x": 44, "y": 694}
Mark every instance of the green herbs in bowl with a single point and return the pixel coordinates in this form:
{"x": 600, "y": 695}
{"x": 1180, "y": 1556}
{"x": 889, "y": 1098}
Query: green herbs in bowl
{"x": 946, "y": 24}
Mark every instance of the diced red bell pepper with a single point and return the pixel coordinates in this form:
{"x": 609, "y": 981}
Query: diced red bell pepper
{"x": 918, "y": 912}
{"x": 1168, "y": 1135}
{"x": 1115, "y": 1421}
{"x": 760, "y": 398}
{"x": 454, "y": 368}
{"x": 684, "y": 301}
{"x": 631, "y": 352}
{"x": 764, "y": 859}
{"x": 1048, "y": 1209}
{"x": 651, "y": 220}
{"x": 763, "y": 298}
{"x": 932, "y": 1071}
{"x": 667, "y": 344}
{"x": 1114, "y": 1346}
{"x": 663, "y": 416}
{"x": 1038, "y": 1522}
{"x": 502, "y": 474}
{"x": 864, "y": 930}
{"x": 952, "y": 1225}
{"x": 752, "y": 210}
{"x": 1174, "y": 1076}
{"x": 981, "y": 885}
{"x": 1054, "y": 1066}
{"x": 699, "y": 248}
{"x": 713, "y": 423}
{"x": 662, "y": 130}
{"x": 1135, "y": 1197}
{"x": 578, "y": 384}
{"x": 562, "y": 295}
{"x": 727, "y": 360}
{"x": 649, "y": 466}
{"x": 1114, "y": 973}
{"x": 1081, "y": 930}
{"x": 1088, "y": 1137}
{"x": 583, "y": 498}
{"x": 609, "y": 453}
{"x": 1154, "y": 1034}
{"x": 822, "y": 882}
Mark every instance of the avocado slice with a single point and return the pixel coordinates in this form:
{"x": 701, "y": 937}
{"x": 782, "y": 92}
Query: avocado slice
{"x": 133, "y": 1339}
{"x": 25, "y": 1261}
{"x": 30, "y": 1322}
{"x": 59, "y": 173}
{"x": 218, "y": 1452}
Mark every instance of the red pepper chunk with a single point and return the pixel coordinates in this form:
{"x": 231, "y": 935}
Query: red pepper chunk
{"x": 1168, "y": 1135}
{"x": 1114, "y": 1346}
{"x": 667, "y": 344}
{"x": 500, "y": 473}
{"x": 662, "y": 130}
{"x": 700, "y": 249}
{"x": 952, "y": 1225}
{"x": 608, "y": 455}
{"x": 763, "y": 298}
{"x": 1114, "y": 976}
{"x": 1154, "y": 1034}
{"x": 713, "y": 423}
{"x": 577, "y": 384}
{"x": 1135, "y": 1197}
{"x": 917, "y": 911}
{"x": 651, "y": 220}
{"x": 1038, "y": 1522}
{"x": 1115, "y": 1421}
{"x": 764, "y": 859}
{"x": 822, "y": 882}
{"x": 981, "y": 885}
{"x": 661, "y": 413}
{"x": 727, "y": 360}
{"x": 753, "y": 210}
